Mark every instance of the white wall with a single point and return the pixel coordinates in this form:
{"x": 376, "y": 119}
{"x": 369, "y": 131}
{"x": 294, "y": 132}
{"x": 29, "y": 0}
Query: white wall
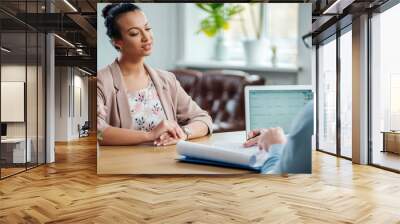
{"x": 163, "y": 19}
{"x": 304, "y": 54}
{"x": 61, "y": 103}
{"x": 15, "y": 72}
{"x": 175, "y": 40}
{"x": 106, "y": 53}
{"x": 80, "y": 83}
{"x": 34, "y": 124}
{"x": 67, "y": 80}
{"x": 189, "y": 28}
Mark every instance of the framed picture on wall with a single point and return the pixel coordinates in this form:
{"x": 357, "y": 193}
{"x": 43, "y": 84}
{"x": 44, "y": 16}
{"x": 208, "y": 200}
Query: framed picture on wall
{"x": 12, "y": 101}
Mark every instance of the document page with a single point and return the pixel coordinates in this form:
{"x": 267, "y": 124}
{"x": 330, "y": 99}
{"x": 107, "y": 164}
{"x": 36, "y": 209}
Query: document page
{"x": 232, "y": 152}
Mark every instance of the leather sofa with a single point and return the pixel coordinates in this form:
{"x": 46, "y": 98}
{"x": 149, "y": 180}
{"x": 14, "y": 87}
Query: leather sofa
{"x": 221, "y": 93}
{"x": 188, "y": 79}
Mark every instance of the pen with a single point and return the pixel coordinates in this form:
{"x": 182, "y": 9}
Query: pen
{"x": 247, "y": 139}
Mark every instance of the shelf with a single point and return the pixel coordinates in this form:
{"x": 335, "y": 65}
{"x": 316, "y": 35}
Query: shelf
{"x": 239, "y": 65}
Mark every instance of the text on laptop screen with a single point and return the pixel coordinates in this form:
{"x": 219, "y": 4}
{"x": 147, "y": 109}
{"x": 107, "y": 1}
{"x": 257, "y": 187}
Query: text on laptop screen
{"x": 276, "y": 108}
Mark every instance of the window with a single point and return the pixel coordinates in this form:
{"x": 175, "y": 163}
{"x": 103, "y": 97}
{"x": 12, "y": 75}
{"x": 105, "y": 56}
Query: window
{"x": 385, "y": 87}
{"x": 22, "y": 67}
{"x": 394, "y": 101}
{"x": 327, "y": 97}
{"x": 280, "y": 29}
{"x": 346, "y": 94}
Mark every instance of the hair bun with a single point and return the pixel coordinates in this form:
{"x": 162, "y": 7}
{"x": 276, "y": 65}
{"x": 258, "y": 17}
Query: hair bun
{"x": 111, "y": 12}
{"x": 106, "y": 10}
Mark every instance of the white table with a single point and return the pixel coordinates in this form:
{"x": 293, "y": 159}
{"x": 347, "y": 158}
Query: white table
{"x": 18, "y": 149}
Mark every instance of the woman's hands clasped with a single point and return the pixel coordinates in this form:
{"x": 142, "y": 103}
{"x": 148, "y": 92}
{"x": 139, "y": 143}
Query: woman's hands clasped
{"x": 167, "y": 133}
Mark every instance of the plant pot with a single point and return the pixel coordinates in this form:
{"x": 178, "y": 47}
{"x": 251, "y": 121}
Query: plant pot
{"x": 255, "y": 51}
{"x": 221, "y": 48}
{"x": 274, "y": 57}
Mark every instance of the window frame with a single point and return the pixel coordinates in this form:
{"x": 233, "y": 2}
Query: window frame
{"x": 334, "y": 37}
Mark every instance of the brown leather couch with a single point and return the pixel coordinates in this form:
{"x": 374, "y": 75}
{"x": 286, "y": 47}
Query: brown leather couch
{"x": 188, "y": 79}
{"x": 221, "y": 93}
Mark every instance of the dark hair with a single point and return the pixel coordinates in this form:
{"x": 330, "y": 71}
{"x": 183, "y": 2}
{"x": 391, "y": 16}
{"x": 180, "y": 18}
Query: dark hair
{"x": 111, "y": 13}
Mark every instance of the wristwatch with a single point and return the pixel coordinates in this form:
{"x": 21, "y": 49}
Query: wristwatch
{"x": 187, "y": 131}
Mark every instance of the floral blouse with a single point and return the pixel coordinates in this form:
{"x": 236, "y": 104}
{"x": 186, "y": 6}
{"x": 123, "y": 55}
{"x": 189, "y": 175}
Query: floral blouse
{"x": 145, "y": 108}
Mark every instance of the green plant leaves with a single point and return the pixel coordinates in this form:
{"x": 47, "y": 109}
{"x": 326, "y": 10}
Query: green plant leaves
{"x": 208, "y": 27}
{"x": 218, "y": 18}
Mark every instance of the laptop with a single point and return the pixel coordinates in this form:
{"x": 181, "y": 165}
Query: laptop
{"x": 275, "y": 105}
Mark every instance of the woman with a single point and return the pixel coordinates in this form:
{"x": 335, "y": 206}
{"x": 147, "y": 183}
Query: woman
{"x": 135, "y": 102}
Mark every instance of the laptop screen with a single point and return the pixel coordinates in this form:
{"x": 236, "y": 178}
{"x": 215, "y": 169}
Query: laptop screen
{"x": 275, "y": 107}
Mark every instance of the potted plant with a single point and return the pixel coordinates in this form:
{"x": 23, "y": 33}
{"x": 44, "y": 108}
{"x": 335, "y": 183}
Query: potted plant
{"x": 219, "y": 15}
{"x": 255, "y": 48}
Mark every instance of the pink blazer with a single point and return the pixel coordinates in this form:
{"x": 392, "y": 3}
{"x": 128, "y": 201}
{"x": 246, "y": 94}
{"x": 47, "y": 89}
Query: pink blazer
{"x": 113, "y": 106}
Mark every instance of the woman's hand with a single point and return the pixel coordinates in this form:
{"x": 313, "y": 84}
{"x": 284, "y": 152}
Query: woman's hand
{"x": 169, "y": 127}
{"x": 166, "y": 139}
{"x": 266, "y": 138}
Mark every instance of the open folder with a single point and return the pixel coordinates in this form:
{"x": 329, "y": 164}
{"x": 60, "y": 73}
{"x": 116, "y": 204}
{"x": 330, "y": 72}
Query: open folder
{"x": 222, "y": 154}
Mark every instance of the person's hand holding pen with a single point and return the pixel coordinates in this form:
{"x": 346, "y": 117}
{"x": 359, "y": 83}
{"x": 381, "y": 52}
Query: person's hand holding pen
{"x": 264, "y": 138}
{"x": 252, "y": 138}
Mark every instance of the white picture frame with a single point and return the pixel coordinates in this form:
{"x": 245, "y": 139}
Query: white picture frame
{"x": 12, "y": 101}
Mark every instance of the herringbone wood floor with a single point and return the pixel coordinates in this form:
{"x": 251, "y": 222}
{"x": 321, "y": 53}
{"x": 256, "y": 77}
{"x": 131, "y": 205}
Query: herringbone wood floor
{"x": 69, "y": 191}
